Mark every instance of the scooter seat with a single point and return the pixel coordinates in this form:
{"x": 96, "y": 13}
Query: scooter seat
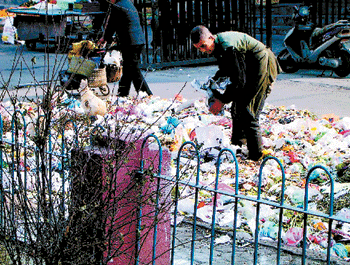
{"x": 324, "y": 29}
{"x": 320, "y": 31}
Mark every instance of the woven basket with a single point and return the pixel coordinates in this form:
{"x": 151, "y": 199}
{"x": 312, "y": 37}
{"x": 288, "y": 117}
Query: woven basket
{"x": 114, "y": 73}
{"x": 79, "y": 65}
{"x": 98, "y": 77}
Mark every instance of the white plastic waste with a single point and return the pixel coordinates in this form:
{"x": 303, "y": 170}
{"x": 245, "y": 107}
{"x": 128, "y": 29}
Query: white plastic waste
{"x": 113, "y": 58}
{"x": 9, "y": 33}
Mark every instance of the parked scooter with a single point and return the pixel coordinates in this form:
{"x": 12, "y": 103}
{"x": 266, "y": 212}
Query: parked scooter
{"x": 320, "y": 48}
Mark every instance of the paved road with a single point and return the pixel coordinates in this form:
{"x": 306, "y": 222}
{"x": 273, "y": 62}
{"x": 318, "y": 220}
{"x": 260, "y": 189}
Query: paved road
{"x": 305, "y": 89}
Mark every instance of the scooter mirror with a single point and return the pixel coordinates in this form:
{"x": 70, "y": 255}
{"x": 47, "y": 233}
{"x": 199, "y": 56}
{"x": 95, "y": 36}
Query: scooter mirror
{"x": 304, "y": 11}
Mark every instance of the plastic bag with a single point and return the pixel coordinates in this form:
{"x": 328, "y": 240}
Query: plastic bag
{"x": 222, "y": 240}
{"x": 46, "y": 6}
{"x": 297, "y": 195}
{"x": 269, "y": 229}
{"x": 9, "y": 33}
{"x": 81, "y": 48}
{"x": 169, "y": 127}
{"x": 209, "y": 136}
{"x": 113, "y": 58}
{"x": 214, "y": 105}
{"x": 343, "y": 213}
{"x": 293, "y": 236}
{"x": 339, "y": 250}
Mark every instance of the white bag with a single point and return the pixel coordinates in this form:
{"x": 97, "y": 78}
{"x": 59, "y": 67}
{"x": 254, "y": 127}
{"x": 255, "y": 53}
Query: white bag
{"x": 9, "y": 33}
{"x": 113, "y": 58}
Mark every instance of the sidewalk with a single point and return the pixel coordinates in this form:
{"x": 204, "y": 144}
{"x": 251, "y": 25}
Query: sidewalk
{"x": 305, "y": 89}
{"x": 168, "y": 83}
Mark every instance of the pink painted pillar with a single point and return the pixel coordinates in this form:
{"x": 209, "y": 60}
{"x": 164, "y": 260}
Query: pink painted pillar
{"x": 116, "y": 187}
{"x": 126, "y": 219}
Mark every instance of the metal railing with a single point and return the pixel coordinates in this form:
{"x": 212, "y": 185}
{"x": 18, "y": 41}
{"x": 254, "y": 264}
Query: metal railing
{"x": 168, "y": 24}
{"x": 238, "y": 197}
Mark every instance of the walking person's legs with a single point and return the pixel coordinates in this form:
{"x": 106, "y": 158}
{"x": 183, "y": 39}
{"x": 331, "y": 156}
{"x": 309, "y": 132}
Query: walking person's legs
{"x": 132, "y": 72}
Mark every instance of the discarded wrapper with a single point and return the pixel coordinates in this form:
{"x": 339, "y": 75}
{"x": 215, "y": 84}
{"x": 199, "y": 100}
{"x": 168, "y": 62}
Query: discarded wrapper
{"x": 215, "y": 106}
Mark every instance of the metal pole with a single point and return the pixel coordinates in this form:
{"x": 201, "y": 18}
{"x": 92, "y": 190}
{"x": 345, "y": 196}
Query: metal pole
{"x": 268, "y": 24}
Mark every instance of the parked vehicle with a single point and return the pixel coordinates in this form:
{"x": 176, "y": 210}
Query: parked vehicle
{"x": 320, "y": 48}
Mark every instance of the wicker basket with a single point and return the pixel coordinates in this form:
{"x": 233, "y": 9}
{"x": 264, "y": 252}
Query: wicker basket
{"x": 114, "y": 73}
{"x": 79, "y": 65}
{"x": 98, "y": 77}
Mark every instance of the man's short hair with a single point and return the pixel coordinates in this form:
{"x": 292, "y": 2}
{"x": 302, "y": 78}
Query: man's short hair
{"x": 198, "y": 33}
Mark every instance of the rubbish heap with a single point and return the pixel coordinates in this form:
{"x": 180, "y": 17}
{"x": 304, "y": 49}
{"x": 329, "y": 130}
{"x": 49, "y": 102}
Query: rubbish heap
{"x": 297, "y": 138}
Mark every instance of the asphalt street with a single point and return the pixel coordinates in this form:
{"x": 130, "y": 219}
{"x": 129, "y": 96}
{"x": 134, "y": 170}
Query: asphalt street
{"x": 306, "y": 89}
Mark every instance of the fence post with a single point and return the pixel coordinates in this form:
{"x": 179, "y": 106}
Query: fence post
{"x": 2, "y": 214}
{"x": 268, "y": 24}
{"x": 122, "y": 199}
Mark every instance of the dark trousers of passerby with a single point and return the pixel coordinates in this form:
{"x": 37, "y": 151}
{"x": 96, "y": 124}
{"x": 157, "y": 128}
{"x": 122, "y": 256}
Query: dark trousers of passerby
{"x": 131, "y": 71}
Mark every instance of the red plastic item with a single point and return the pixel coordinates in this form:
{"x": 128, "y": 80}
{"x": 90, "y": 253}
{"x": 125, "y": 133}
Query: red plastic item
{"x": 215, "y": 106}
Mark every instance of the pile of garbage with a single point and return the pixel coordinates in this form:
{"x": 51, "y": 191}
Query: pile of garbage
{"x": 297, "y": 138}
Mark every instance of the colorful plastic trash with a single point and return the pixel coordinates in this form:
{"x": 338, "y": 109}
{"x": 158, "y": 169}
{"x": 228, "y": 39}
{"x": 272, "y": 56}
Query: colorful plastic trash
{"x": 293, "y": 236}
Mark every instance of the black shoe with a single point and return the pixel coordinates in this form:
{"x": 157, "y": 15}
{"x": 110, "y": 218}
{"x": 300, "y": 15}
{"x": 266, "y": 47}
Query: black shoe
{"x": 241, "y": 154}
{"x": 256, "y": 157}
{"x": 149, "y": 92}
{"x": 247, "y": 157}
